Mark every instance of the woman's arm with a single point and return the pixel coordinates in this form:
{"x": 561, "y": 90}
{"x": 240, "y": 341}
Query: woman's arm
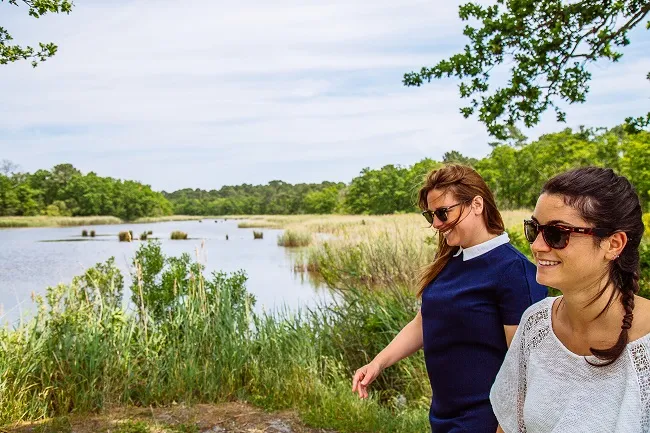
{"x": 510, "y": 332}
{"x": 408, "y": 341}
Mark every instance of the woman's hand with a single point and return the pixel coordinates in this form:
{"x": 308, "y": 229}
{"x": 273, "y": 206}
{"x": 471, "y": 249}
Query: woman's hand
{"x": 364, "y": 377}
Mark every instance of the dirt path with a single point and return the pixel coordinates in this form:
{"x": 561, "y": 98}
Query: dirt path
{"x": 202, "y": 418}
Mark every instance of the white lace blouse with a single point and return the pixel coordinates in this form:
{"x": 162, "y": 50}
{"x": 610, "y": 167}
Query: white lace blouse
{"x": 544, "y": 387}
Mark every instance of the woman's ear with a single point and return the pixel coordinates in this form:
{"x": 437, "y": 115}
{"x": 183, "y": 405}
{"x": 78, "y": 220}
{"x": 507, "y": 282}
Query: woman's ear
{"x": 615, "y": 244}
{"x": 477, "y": 205}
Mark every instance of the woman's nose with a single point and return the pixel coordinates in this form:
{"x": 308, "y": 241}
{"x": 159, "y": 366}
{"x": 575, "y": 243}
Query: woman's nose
{"x": 539, "y": 244}
{"x": 437, "y": 223}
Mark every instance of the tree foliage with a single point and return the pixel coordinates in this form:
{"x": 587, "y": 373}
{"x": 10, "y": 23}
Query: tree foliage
{"x": 65, "y": 191}
{"x": 547, "y": 44}
{"x": 515, "y": 170}
{"x": 37, "y": 8}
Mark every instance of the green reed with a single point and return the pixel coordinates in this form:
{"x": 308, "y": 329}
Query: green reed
{"x": 191, "y": 337}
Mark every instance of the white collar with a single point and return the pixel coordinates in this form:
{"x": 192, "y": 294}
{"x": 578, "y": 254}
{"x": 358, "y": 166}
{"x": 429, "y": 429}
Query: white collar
{"x": 480, "y": 249}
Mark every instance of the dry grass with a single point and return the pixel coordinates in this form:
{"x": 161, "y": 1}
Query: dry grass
{"x": 170, "y": 218}
{"x": 45, "y": 221}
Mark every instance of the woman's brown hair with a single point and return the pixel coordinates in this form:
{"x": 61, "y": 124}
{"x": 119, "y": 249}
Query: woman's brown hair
{"x": 464, "y": 183}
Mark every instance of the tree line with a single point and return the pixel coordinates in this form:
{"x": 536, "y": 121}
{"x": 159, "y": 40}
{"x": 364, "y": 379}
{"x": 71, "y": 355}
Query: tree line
{"x": 515, "y": 170}
{"x": 65, "y": 191}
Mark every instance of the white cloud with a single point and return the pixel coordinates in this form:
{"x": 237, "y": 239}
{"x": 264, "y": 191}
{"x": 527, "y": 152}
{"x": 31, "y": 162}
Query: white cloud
{"x": 205, "y": 93}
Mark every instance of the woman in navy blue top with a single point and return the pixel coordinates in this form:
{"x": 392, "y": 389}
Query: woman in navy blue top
{"x": 473, "y": 296}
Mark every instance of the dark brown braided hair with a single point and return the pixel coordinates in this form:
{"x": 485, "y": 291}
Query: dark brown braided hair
{"x": 609, "y": 201}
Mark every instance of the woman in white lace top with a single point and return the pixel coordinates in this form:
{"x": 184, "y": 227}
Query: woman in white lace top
{"x": 581, "y": 362}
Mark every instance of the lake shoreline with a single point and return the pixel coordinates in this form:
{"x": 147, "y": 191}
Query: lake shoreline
{"x": 45, "y": 221}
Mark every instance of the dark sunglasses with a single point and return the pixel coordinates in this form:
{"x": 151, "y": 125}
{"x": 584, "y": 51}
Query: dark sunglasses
{"x": 441, "y": 212}
{"x": 557, "y": 236}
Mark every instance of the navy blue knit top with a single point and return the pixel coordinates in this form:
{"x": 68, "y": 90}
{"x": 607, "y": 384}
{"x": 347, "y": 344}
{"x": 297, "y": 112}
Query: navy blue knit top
{"x": 463, "y": 313}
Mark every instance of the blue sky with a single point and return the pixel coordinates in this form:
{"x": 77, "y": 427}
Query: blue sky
{"x": 206, "y": 93}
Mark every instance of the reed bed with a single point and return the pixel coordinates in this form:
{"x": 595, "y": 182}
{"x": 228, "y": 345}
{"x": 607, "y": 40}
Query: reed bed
{"x": 83, "y": 351}
{"x": 293, "y": 238}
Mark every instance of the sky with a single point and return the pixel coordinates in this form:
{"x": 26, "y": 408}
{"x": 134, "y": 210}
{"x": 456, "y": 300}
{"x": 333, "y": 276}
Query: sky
{"x": 206, "y": 93}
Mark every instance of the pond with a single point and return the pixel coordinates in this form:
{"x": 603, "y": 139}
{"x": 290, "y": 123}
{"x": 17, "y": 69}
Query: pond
{"x": 31, "y": 259}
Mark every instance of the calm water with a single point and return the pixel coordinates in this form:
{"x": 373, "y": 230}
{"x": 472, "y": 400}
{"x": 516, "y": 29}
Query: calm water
{"x": 32, "y": 259}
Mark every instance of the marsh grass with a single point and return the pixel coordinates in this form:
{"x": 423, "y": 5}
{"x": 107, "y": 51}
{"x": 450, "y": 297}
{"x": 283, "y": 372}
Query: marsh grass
{"x": 178, "y": 235}
{"x": 125, "y": 236}
{"x": 258, "y": 235}
{"x": 204, "y": 342}
{"x": 293, "y": 238}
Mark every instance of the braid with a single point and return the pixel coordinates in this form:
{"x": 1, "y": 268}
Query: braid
{"x": 627, "y": 283}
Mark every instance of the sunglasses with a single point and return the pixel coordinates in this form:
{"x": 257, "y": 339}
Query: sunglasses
{"x": 557, "y": 236}
{"x": 441, "y": 212}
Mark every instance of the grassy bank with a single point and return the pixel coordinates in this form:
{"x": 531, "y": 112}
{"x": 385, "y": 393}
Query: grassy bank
{"x": 44, "y": 221}
{"x": 194, "y": 338}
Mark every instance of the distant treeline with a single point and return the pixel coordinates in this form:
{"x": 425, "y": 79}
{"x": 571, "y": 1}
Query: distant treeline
{"x": 65, "y": 191}
{"x": 515, "y": 170}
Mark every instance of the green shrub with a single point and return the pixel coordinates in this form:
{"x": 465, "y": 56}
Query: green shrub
{"x": 84, "y": 233}
{"x": 258, "y": 235}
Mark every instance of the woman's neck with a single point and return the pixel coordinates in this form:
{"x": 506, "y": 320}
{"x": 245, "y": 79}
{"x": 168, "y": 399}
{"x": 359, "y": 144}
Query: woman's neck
{"x": 587, "y": 314}
{"x": 480, "y": 237}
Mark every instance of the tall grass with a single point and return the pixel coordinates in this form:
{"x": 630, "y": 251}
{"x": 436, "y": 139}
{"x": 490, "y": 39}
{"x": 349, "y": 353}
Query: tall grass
{"x": 386, "y": 257}
{"x": 192, "y": 338}
{"x": 293, "y": 238}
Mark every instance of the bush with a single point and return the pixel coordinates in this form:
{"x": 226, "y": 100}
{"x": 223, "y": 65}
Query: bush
{"x": 258, "y": 235}
{"x": 84, "y": 233}
{"x": 178, "y": 235}
{"x": 92, "y": 233}
{"x": 143, "y": 236}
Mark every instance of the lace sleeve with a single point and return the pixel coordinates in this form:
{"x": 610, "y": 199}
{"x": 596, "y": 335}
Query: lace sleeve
{"x": 508, "y": 393}
{"x": 505, "y": 391}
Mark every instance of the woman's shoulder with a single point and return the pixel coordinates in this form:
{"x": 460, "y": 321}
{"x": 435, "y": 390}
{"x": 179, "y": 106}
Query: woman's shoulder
{"x": 641, "y": 324}
{"x": 538, "y": 314}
